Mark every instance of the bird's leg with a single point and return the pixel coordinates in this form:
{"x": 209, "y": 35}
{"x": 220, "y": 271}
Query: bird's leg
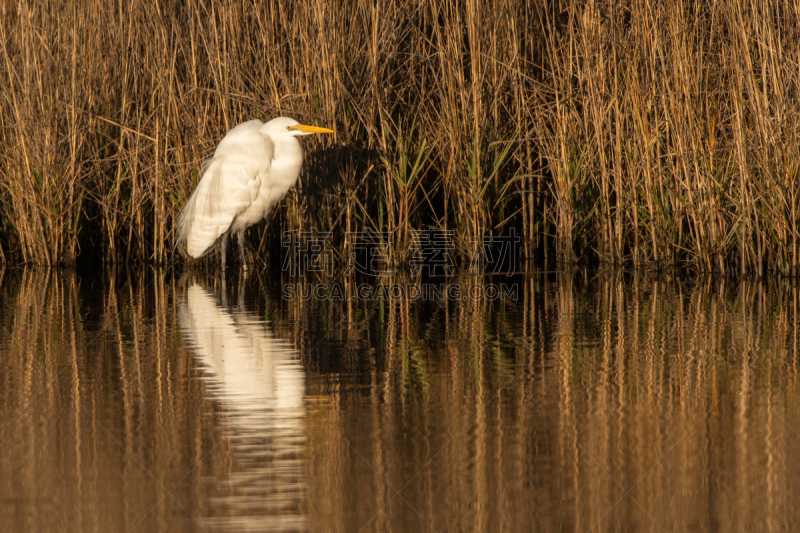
{"x": 223, "y": 248}
{"x": 241, "y": 250}
{"x": 242, "y": 286}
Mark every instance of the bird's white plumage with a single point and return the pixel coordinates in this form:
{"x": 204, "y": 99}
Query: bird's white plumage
{"x": 252, "y": 169}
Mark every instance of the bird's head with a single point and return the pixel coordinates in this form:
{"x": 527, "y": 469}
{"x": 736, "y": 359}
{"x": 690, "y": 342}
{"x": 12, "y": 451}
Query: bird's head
{"x": 284, "y": 126}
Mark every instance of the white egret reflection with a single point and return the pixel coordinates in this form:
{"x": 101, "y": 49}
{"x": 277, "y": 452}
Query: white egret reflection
{"x": 259, "y": 383}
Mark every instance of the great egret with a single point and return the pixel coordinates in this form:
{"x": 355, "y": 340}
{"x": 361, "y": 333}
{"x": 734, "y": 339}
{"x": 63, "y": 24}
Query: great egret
{"x": 253, "y": 167}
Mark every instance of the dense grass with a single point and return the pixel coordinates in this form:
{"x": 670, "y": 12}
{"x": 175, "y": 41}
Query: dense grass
{"x": 646, "y": 132}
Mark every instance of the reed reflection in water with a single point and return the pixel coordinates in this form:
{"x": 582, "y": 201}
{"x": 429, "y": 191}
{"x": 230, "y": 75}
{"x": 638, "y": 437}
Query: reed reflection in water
{"x": 601, "y": 402}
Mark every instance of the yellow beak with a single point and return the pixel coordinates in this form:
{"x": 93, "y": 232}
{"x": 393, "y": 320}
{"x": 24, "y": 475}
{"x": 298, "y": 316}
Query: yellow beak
{"x": 309, "y": 129}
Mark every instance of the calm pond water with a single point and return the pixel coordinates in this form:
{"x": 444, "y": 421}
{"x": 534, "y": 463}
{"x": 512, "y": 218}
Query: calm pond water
{"x": 139, "y": 401}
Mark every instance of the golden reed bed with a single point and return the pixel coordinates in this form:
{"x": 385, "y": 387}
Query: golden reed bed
{"x": 640, "y": 133}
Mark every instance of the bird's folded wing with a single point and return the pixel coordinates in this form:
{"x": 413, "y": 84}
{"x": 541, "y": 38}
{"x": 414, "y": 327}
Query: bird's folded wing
{"x": 228, "y": 187}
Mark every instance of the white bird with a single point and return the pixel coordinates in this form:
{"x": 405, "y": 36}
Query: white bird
{"x": 253, "y": 168}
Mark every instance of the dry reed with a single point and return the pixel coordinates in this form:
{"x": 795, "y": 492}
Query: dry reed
{"x": 646, "y": 133}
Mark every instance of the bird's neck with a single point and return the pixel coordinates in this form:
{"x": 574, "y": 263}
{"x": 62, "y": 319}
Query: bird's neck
{"x": 287, "y": 160}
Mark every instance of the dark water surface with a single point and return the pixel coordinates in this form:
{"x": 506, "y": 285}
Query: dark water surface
{"x": 591, "y": 402}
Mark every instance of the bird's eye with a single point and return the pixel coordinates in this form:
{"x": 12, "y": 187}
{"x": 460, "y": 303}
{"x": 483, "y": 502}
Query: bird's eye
{"x": 288, "y": 128}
